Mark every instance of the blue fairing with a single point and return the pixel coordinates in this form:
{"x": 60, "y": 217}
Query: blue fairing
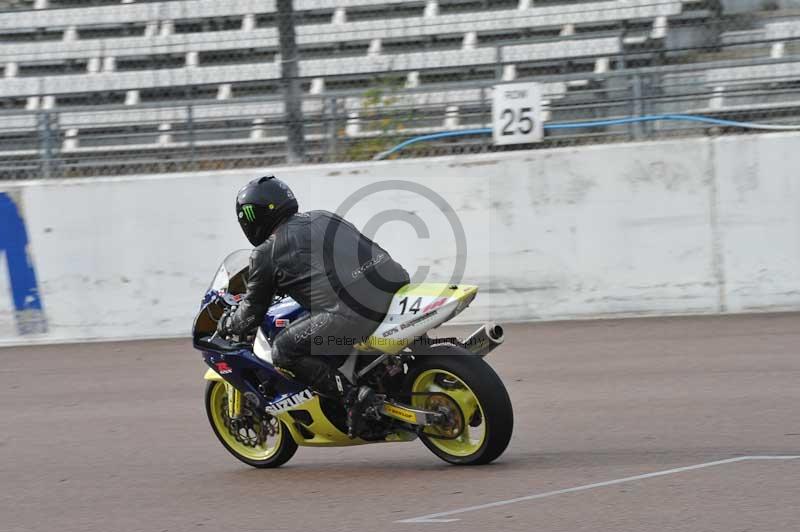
{"x": 240, "y": 363}
{"x": 287, "y": 309}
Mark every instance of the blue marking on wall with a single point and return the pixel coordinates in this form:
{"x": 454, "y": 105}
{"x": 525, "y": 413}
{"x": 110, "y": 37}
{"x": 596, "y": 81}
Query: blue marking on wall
{"x": 22, "y": 274}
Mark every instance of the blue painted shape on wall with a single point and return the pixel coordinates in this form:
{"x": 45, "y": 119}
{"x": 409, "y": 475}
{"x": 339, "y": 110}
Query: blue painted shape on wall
{"x": 22, "y": 274}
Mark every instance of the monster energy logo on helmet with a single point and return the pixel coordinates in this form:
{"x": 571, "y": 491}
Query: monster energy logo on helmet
{"x": 249, "y": 213}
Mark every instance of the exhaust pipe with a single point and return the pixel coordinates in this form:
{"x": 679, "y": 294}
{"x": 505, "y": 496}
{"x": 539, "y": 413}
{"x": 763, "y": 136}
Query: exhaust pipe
{"x": 485, "y": 339}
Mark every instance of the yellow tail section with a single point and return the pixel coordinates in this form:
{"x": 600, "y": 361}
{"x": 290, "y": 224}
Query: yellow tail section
{"x": 416, "y": 309}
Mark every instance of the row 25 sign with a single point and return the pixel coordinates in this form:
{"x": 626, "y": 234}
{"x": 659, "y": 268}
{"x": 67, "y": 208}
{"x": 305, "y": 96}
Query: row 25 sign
{"x": 517, "y": 112}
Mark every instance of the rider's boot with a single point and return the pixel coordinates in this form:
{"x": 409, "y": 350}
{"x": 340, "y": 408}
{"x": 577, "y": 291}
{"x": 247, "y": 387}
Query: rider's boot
{"x": 358, "y": 402}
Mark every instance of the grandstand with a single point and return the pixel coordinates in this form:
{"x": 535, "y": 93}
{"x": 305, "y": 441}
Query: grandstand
{"x": 93, "y": 87}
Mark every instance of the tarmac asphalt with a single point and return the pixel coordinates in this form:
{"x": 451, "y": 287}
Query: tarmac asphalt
{"x": 611, "y": 418}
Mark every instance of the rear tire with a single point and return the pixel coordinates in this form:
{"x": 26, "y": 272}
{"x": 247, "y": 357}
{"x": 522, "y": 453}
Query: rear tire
{"x": 282, "y": 451}
{"x": 493, "y": 402}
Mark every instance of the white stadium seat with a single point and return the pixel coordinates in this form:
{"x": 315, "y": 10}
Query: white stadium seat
{"x": 320, "y": 34}
{"x": 110, "y": 80}
{"x": 133, "y": 12}
{"x": 561, "y": 49}
{"x": 447, "y": 53}
{"x": 766, "y": 73}
{"x": 500, "y": 20}
{"x": 782, "y": 30}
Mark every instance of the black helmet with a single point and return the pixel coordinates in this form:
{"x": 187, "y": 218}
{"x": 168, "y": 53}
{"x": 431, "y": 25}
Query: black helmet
{"x": 263, "y": 204}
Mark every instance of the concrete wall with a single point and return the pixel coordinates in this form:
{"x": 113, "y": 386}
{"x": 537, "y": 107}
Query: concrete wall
{"x": 672, "y": 227}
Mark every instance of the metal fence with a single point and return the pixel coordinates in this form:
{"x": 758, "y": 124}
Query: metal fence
{"x": 204, "y": 107}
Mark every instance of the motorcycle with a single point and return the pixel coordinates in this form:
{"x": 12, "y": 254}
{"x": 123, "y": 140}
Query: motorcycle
{"x": 439, "y": 390}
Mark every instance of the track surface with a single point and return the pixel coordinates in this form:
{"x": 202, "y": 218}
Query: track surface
{"x": 113, "y": 437}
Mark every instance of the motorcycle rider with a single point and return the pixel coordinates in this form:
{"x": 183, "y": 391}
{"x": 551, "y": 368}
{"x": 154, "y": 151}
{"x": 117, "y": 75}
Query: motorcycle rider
{"x": 344, "y": 279}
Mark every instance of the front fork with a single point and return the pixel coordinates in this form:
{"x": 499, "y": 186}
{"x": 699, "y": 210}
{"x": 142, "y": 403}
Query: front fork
{"x": 234, "y": 401}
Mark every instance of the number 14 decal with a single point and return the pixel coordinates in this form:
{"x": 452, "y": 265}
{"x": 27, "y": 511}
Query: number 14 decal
{"x": 413, "y": 308}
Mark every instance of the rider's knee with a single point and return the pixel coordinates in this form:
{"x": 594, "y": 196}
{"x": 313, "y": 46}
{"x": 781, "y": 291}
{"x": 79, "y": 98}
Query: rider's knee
{"x": 278, "y": 356}
{"x": 281, "y": 352}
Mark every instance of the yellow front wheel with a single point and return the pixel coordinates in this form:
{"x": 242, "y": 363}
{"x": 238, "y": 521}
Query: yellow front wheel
{"x": 477, "y": 418}
{"x": 257, "y": 440}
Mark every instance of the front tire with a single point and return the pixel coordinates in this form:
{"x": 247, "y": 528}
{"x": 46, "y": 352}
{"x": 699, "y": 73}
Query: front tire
{"x": 487, "y": 418}
{"x": 246, "y": 443}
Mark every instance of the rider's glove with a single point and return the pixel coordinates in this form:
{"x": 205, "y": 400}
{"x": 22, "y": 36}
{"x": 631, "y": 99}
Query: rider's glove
{"x": 225, "y": 322}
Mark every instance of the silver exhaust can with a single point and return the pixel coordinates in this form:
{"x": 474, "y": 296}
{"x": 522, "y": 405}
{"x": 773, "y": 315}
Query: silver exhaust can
{"x": 485, "y": 339}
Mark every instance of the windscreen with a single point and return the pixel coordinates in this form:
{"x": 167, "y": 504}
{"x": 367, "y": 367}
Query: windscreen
{"x": 227, "y": 277}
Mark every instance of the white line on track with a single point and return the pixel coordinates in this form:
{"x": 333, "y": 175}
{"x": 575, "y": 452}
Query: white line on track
{"x": 444, "y": 517}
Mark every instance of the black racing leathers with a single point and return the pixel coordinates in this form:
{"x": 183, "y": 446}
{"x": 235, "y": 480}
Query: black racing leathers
{"x": 343, "y": 278}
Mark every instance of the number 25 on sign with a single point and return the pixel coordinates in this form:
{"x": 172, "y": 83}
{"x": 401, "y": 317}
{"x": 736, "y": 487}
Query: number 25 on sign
{"x": 517, "y": 112}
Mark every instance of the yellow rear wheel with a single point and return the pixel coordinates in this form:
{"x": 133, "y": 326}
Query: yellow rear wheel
{"x": 477, "y": 418}
{"x": 259, "y": 441}
{"x": 464, "y": 431}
